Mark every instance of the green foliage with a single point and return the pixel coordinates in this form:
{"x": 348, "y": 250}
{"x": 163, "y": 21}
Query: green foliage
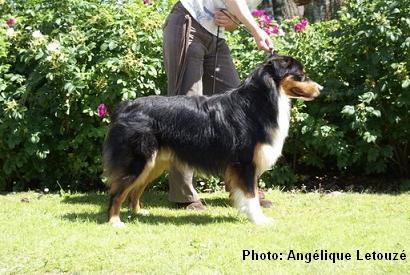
{"x": 361, "y": 122}
{"x": 65, "y": 58}
{"x": 280, "y": 175}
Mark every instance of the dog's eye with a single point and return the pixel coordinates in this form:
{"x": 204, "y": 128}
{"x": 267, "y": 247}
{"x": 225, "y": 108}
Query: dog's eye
{"x": 299, "y": 78}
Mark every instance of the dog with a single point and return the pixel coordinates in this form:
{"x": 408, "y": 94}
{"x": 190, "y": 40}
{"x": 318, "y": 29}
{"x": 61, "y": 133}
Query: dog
{"x": 238, "y": 134}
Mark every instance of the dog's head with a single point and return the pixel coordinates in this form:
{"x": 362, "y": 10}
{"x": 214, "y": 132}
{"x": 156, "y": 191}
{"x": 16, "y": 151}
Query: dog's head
{"x": 290, "y": 78}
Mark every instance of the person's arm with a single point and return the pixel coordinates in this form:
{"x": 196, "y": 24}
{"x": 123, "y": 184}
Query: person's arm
{"x": 241, "y": 11}
{"x": 221, "y": 19}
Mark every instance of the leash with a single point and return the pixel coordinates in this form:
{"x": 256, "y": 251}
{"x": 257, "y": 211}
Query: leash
{"x": 224, "y": 11}
{"x": 216, "y": 60}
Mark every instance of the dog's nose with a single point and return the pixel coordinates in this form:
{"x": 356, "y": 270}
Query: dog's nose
{"x": 319, "y": 87}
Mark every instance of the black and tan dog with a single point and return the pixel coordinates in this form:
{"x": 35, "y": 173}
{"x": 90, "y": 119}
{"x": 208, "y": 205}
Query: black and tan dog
{"x": 238, "y": 134}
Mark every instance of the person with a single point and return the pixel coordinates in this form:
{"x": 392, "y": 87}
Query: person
{"x": 190, "y": 42}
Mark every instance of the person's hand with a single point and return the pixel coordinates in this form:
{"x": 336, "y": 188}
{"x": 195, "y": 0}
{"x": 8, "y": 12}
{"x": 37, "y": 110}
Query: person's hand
{"x": 222, "y": 20}
{"x": 262, "y": 40}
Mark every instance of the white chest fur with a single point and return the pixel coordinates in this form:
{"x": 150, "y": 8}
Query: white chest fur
{"x": 266, "y": 155}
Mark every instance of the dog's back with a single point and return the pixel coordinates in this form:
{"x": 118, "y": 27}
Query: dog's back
{"x": 183, "y": 125}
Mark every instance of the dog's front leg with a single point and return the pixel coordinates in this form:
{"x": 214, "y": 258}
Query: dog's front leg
{"x": 244, "y": 193}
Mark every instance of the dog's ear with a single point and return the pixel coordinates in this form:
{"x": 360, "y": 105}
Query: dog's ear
{"x": 274, "y": 56}
{"x": 279, "y": 62}
{"x": 273, "y": 53}
{"x": 279, "y": 65}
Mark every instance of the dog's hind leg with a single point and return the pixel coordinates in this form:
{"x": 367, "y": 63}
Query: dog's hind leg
{"x": 242, "y": 181}
{"x": 120, "y": 189}
{"x": 136, "y": 193}
{"x": 162, "y": 162}
{"x": 130, "y": 151}
{"x": 135, "y": 196}
{"x": 119, "y": 192}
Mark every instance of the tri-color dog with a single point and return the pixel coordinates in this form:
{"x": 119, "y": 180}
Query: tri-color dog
{"x": 238, "y": 134}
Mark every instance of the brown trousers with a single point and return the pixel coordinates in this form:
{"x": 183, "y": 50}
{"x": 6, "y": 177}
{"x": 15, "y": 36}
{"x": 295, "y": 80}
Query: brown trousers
{"x": 189, "y": 57}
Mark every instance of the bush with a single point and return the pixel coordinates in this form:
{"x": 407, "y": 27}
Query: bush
{"x": 64, "y": 59}
{"x": 361, "y": 123}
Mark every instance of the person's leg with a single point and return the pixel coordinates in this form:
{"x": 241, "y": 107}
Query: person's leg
{"x": 183, "y": 56}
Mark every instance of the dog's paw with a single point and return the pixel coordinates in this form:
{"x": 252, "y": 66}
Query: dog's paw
{"x": 263, "y": 220}
{"x": 116, "y": 223}
{"x": 119, "y": 224}
{"x": 142, "y": 212}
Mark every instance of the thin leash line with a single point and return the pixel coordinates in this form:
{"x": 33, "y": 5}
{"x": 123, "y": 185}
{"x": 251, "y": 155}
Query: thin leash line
{"x": 224, "y": 11}
{"x": 234, "y": 21}
{"x": 215, "y": 61}
{"x": 216, "y": 47}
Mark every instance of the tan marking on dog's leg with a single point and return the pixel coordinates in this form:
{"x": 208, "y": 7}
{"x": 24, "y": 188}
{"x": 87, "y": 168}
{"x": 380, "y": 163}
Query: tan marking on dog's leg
{"x": 161, "y": 163}
{"x": 244, "y": 201}
{"x": 114, "y": 214}
{"x": 134, "y": 200}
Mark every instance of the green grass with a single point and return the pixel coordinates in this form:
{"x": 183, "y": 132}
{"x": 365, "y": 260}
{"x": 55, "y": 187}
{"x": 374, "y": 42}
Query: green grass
{"x": 54, "y": 233}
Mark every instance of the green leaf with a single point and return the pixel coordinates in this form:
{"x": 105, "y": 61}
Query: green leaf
{"x": 35, "y": 138}
{"x": 368, "y": 137}
{"x": 405, "y": 84}
{"x": 112, "y": 45}
{"x": 39, "y": 55}
{"x": 348, "y": 110}
{"x": 69, "y": 87}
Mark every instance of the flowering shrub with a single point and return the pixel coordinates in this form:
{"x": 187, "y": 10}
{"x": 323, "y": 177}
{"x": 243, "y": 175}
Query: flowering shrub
{"x": 11, "y": 21}
{"x": 300, "y": 25}
{"x": 266, "y": 22}
{"x": 64, "y": 65}
{"x": 360, "y": 125}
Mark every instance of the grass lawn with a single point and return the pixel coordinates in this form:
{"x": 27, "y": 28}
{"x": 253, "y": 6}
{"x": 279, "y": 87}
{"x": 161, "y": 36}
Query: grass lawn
{"x": 53, "y": 233}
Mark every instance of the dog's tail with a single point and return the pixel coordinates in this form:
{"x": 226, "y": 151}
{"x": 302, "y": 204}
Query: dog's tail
{"x": 127, "y": 147}
{"x": 115, "y": 148}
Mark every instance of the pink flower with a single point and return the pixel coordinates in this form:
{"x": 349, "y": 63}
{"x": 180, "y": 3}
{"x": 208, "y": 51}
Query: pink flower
{"x": 304, "y": 21}
{"x": 101, "y": 110}
{"x": 258, "y": 13}
{"x": 265, "y": 20}
{"x": 272, "y": 30}
{"x": 300, "y": 25}
{"x": 147, "y": 2}
{"x": 11, "y": 21}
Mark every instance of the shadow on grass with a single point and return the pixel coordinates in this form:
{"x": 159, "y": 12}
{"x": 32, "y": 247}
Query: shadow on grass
{"x": 153, "y": 199}
{"x": 215, "y": 202}
{"x": 149, "y": 200}
{"x": 194, "y": 219}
